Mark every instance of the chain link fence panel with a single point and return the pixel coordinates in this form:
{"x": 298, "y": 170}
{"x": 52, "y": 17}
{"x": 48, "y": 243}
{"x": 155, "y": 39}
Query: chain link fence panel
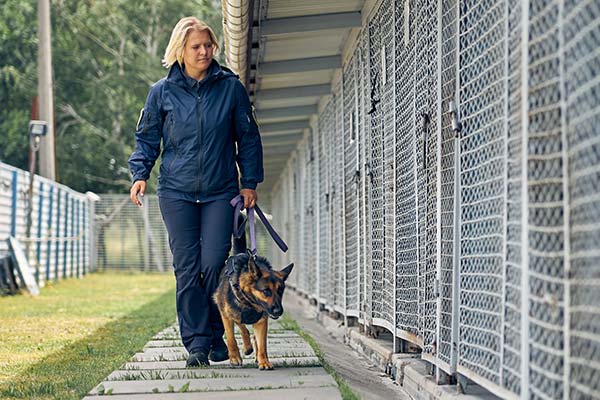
{"x": 129, "y": 236}
{"x": 474, "y": 225}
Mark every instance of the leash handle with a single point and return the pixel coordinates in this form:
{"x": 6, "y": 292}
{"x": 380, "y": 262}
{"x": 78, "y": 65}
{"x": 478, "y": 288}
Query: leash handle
{"x": 238, "y": 203}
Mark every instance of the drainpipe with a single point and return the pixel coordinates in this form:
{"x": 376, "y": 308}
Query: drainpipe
{"x": 237, "y": 31}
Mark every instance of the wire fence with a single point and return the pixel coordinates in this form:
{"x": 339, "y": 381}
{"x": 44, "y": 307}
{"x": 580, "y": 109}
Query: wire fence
{"x": 135, "y": 238}
{"x": 52, "y": 223}
{"x": 457, "y": 165}
{"x": 131, "y": 237}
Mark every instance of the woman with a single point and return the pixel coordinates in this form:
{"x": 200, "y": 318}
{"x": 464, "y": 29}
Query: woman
{"x": 201, "y": 113}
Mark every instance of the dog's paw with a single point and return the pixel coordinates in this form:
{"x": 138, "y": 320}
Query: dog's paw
{"x": 248, "y": 351}
{"x": 265, "y": 365}
{"x": 235, "y": 360}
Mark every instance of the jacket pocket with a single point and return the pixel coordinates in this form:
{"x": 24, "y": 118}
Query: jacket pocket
{"x": 171, "y": 136}
{"x": 173, "y": 144}
{"x": 146, "y": 121}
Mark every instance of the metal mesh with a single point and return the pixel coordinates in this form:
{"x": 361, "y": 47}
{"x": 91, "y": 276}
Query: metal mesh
{"x": 407, "y": 284}
{"x": 290, "y": 218}
{"x": 303, "y": 203}
{"x": 462, "y": 297}
{"x": 482, "y": 47}
{"x": 334, "y": 262}
{"x": 338, "y": 200}
{"x": 425, "y": 106}
{"x": 297, "y": 227}
{"x": 365, "y": 193}
{"x": 325, "y": 253}
{"x": 446, "y": 329}
{"x": 307, "y": 222}
{"x": 376, "y": 168}
{"x": 350, "y": 187}
{"x": 388, "y": 165}
{"x": 546, "y": 202}
{"x": 314, "y": 215}
{"x": 283, "y": 223}
{"x": 511, "y": 374}
{"x": 581, "y": 60}
{"x": 131, "y": 237}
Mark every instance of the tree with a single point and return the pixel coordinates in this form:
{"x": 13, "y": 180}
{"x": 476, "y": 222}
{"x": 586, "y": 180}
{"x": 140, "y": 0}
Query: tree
{"x": 106, "y": 54}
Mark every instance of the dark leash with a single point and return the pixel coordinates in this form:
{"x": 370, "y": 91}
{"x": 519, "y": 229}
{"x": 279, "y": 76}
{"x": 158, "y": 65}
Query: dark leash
{"x": 238, "y": 229}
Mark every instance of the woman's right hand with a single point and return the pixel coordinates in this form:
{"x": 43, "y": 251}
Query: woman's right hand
{"x": 137, "y": 187}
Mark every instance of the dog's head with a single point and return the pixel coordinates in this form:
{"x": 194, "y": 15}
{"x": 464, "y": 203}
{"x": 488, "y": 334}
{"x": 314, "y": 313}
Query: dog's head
{"x": 265, "y": 286}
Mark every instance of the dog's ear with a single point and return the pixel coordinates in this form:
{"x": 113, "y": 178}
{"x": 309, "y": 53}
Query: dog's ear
{"x": 253, "y": 268}
{"x": 286, "y": 271}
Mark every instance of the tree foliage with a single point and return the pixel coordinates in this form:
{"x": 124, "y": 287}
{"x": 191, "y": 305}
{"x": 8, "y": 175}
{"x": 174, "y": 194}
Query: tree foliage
{"x": 106, "y": 54}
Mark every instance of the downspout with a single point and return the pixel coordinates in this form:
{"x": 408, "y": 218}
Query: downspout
{"x": 237, "y": 22}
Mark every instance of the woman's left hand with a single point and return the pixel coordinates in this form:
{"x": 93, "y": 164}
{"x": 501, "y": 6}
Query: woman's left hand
{"x": 250, "y": 197}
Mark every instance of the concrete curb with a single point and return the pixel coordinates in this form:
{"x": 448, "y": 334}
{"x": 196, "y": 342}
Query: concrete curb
{"x": 407, "y": 369}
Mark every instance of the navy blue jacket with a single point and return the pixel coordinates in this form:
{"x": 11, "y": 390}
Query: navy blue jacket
{"x": 199, "y": 124}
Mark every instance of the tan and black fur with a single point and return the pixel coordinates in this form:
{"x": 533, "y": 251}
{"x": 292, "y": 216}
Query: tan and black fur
{"x": 250, "y": 292}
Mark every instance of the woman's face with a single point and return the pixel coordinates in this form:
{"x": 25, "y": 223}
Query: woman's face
{"x": 198, "y": 53}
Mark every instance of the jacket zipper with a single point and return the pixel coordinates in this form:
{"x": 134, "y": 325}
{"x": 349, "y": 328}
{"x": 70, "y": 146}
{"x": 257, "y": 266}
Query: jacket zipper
{"x": 201, "y": 149}
{"x": 172, "y": 143}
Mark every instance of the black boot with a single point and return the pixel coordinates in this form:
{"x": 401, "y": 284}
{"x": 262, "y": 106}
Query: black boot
{"x": 197, "y": 358}
{"x": 218, "y": 351}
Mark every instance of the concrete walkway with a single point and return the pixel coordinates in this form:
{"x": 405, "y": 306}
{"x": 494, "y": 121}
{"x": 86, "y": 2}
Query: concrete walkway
{"x": 159, "y": 373}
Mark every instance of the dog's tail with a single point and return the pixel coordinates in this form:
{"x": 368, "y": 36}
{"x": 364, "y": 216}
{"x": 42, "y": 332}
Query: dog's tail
{"x": 239, "y": 244}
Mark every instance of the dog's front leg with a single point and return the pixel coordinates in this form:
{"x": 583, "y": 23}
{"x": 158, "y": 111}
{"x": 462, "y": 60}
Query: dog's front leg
{"x": 234, "y": 352}
{"x": 245, "y": 339}
{"x": 260, "y": 333}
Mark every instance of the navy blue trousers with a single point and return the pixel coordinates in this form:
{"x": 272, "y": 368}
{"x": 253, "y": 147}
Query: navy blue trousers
{"x": 200, "y": 240}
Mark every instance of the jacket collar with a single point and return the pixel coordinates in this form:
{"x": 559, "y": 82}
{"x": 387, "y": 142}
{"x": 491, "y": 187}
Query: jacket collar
{"x": 215, "y": 72}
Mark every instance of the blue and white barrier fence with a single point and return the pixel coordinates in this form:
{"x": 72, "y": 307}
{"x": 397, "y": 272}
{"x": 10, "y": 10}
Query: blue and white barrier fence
{"x": 59, "y": 244}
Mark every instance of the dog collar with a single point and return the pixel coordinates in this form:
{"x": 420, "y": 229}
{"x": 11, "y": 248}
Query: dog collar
{"x": 238, "y": 293}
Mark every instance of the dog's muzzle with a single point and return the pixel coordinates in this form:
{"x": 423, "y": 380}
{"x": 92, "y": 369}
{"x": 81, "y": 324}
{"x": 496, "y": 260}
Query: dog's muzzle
{"x": 275, "y": 312}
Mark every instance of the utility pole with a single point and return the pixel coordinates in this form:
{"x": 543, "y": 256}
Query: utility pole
{"x": 45, "y": 91}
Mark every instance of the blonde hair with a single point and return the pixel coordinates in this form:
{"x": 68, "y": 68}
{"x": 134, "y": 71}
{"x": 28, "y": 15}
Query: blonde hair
{"x": 174, "y": 50}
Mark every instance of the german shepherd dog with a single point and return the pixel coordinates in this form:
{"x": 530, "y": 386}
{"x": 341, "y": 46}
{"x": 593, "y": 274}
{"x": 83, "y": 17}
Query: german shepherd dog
{"x": 249, "y": 292}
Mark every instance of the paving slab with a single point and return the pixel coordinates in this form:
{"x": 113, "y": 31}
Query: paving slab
{"x": 277, "y": 334}
{"x": 204, "y": 373}
{"x": 269, "y": 381}
{"x": 183, "y": 355}
{"x": 248, "y": 363}
{"x": 159, "y": 372}
{"x": 177, "y": 343}
{"x": 281, "y": 346}
{"x": 321, "y": 393}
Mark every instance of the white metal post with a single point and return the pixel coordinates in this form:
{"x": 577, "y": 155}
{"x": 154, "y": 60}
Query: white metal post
{"x": 438, "y": 201}
{"x": 566, "y": 201}
{"x": 505, "y": 195}
{"x": 524, "y": 203}
{"x": 456, "y": 240}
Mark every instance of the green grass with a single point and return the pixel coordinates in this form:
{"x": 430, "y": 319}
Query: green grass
{"x": 60, "y": 344}
{"x": 347, "y": 394}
